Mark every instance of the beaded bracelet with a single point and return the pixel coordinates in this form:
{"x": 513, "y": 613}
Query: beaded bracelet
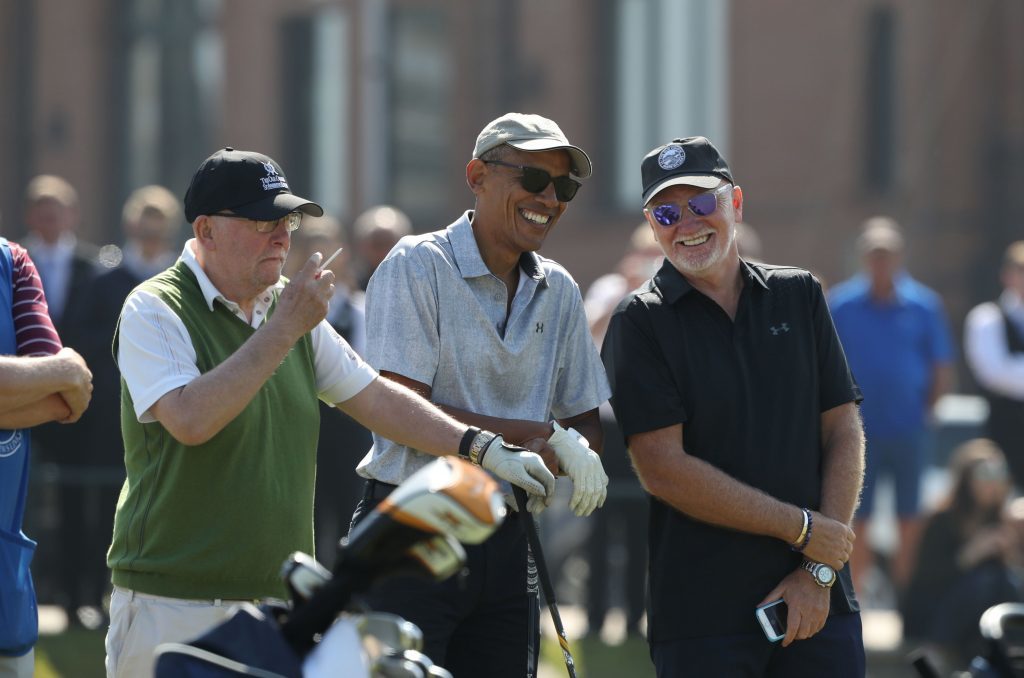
{"x": 805, "y": 535}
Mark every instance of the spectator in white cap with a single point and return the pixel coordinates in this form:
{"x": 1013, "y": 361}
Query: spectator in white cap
{"x": 475, "y": 320}
{"x": 222, "y": 366}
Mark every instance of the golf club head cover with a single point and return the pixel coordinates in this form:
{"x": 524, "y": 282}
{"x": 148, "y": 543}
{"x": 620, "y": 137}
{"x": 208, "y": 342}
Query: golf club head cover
{"x": 522, "y": 468}
{"x": 439, "y": 557}
{"x": 583, "y": 466}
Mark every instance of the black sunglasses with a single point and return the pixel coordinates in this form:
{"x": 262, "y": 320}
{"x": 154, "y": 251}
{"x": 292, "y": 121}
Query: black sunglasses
{"x": 535, "y": 180}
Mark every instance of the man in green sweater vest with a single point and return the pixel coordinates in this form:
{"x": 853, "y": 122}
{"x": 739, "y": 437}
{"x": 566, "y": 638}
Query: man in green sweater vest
{"x": 222, "y": 365}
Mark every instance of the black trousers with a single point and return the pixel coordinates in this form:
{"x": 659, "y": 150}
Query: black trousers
{"x": 482, "y": 622}
{"x": 620, "y": 524}
{"x": 83, "y": 536}
{"x": 837, "y": 651}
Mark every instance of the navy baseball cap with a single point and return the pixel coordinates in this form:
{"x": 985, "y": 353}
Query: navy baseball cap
{"x": 248, "y": 184}
{"x": 693, "y": 161}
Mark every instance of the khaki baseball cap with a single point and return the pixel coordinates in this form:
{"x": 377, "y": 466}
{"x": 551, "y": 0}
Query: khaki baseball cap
{"x": 529, "y": 132}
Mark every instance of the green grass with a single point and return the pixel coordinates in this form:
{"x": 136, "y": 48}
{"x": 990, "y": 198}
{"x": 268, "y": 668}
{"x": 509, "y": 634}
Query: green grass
{"x": 594, "y": 659}
{"x": 75, "y": 653}
{"x": 78, "y": 653}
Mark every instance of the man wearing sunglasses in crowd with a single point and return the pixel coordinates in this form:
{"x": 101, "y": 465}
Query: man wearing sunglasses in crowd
{"x": 222, "y": 365}
{"x": 740, "y": 413}
{"x": 472, "y": 318}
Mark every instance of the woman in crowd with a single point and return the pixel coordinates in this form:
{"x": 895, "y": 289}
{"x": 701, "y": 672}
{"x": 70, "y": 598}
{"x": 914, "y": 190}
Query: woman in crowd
{"x": 963, "y": 563}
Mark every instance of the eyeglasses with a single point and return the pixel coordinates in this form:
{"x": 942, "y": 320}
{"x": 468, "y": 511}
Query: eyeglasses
{"x": 291, "y": 221}
{"x": 535, "y": 180}
{"x": 991, "y": 470}
{"x": 671, "y": 213}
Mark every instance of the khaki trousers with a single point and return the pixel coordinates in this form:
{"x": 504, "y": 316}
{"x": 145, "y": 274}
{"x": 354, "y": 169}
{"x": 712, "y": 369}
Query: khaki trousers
{"x": 140, "y": 621}
{"x": 18, "y": 667}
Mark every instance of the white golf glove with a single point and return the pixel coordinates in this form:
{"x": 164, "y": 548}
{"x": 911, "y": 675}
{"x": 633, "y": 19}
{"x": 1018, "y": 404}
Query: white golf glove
{"x": 522, "y": 468}
{"x": 583, "y": 465}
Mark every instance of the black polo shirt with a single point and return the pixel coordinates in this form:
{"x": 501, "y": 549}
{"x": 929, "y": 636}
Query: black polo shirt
{"x": 749, "y": 393}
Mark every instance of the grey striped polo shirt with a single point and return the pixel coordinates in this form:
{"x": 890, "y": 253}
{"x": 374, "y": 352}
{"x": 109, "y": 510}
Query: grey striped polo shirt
{"x": 436, "y": 314}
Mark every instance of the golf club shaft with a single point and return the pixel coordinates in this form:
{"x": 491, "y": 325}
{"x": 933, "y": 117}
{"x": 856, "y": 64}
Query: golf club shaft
{"x": 533, "y": 539}
{"x": 532, "y": 615}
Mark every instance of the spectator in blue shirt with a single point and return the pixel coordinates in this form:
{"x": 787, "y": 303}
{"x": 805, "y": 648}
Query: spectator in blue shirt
{"x": 897, "y": 339}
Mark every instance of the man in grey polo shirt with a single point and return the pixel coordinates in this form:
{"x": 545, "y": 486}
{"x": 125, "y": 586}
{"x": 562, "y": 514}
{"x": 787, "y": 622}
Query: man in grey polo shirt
{"x": 473, "y": 319}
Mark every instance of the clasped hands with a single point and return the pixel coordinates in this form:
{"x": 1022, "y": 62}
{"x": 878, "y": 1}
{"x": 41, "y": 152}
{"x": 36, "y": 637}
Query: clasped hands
{"x": 831, "y": 542}
{"x": 79, "y": 383}
{"x": 527, "y": 469}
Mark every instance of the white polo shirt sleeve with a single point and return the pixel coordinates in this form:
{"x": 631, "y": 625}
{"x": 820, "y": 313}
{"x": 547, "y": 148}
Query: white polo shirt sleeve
{"x": 154, "y": 353}
{"x": 340, "y": 372}
{"x": 156, "y": 356}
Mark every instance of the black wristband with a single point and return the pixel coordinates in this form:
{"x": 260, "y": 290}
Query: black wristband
{"x": 467, "y": 440}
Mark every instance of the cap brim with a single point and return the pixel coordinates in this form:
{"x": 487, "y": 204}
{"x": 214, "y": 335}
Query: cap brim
{"x": 698, "y": 180}
{"x": 277, "y": 206}
{"x": 580, "y": 160}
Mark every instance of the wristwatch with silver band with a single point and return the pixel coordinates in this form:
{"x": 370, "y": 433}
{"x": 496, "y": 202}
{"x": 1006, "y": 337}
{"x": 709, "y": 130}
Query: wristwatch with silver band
{"x": 824, "y": 576}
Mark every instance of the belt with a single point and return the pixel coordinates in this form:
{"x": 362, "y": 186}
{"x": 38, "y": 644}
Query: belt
{"x": 215, "y": 602}
{"x": 375, "y": 489}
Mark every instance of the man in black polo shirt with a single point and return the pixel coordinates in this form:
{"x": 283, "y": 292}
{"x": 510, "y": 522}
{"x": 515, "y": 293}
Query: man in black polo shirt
{"x": 740, "y": 414}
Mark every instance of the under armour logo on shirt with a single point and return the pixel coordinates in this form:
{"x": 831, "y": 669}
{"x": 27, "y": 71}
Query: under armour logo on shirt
{"x": 539, "y": 328}
{"x": 776, "y": 330}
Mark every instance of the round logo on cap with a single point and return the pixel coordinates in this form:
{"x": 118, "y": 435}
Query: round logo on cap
{"x": 671, "y": 157}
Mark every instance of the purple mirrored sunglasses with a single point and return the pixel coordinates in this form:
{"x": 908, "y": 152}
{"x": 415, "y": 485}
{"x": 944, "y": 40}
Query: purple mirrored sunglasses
{"x": 671, "y": 213}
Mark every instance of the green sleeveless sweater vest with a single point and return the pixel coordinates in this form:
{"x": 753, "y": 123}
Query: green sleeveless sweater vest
{"x": 217, "y": 520}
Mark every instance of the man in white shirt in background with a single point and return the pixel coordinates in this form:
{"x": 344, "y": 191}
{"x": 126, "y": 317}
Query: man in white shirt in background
{"x": 994, "y": 349}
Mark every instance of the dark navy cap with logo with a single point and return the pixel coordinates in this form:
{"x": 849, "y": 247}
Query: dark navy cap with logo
{"x": 245, "y": 183}
{"x": 693, "y": 161}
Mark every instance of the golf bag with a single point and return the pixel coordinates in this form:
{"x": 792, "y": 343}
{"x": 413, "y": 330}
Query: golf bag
{"x": 1002, "y": 629}
{"x": 416, "y": 529}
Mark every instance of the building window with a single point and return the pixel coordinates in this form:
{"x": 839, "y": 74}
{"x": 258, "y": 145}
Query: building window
{"x": 170, "y": 82}
{"x": 420, "y": 93}
{"x": 880, "y": 100}
{"x": 671, "y": 80}
{"x": 316, "y": 123}
{"x": 331, "y": 114}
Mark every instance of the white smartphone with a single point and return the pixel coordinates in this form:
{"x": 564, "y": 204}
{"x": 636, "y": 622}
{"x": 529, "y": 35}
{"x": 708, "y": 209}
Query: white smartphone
{"x": 772, "y": 617}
